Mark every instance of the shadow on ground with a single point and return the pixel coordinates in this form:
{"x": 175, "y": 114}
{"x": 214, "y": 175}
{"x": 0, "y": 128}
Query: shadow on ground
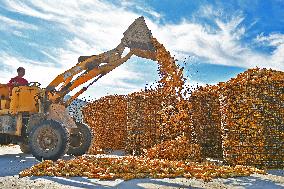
{"x": 252, "y": 182}
{"x": 118, "y": 183}
{"x": 12, "y": 164}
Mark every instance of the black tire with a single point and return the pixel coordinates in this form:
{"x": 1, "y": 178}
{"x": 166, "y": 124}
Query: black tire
{"x": 81, "y": 140}
{"x": 48, "y": 140}
{"x": 25, "y": 148}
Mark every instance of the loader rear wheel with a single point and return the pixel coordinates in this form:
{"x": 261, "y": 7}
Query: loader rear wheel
{"x": 49, "y": 140}
{"x": 80, "y": 140}
{"x": 25, "y": 148}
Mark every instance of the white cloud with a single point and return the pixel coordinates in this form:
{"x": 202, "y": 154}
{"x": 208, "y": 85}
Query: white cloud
{"x": 209, "y": 11}
{"x": 276, "y": 41}
{"x": 141, "y": 7}
{"x": 95, "y": 22}
{"x": 97, "y": 26}
{"x": 15, "y": 27}
{"x": 8, "y": 22}
{"x": 222, "y": 46}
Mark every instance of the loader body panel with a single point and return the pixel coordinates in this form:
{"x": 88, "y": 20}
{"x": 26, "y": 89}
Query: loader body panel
{"x": 25, "y": 99}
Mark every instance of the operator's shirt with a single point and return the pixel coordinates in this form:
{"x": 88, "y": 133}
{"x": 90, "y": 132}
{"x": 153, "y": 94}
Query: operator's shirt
{"x": 17, "y": 81}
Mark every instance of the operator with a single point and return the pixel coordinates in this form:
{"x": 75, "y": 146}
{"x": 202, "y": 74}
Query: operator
{"x": 18, "y": 80}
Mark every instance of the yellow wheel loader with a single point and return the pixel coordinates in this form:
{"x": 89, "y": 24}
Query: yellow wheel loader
{"x": 37, "y": 119}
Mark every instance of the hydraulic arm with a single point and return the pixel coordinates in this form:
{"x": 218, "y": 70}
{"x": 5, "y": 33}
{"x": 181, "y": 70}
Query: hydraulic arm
{"x": 137, "y": 38}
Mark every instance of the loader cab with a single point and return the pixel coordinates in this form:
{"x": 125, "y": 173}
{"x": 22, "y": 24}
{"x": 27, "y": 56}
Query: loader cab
{"x": 17, "y": 106}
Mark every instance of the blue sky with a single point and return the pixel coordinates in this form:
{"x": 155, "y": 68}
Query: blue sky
{"x": 214, "y": 40}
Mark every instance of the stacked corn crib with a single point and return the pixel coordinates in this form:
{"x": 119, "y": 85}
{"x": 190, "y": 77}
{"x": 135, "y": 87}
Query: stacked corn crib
{"x": 252, "y": 109}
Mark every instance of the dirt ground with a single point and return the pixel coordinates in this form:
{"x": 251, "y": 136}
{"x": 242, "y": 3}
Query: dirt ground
{"x": 12, "y": 161}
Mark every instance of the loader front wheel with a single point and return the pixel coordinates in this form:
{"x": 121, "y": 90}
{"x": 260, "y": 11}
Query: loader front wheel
{"x": 80, "y": 140}
{"x": 48, "y": 141}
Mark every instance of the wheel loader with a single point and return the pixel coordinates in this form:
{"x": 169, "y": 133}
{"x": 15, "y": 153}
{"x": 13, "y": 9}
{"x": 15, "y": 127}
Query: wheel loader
{"x": 37, "y": 118}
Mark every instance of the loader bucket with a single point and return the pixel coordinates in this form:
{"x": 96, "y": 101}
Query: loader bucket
{"x": 138, "y": 36}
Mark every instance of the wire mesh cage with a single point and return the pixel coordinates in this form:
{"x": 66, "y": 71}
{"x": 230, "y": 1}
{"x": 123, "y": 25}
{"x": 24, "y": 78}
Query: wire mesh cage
{"x": 252, "y": 107}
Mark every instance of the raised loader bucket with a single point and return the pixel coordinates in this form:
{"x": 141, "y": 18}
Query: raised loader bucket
{"x": 137, "y": 36}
